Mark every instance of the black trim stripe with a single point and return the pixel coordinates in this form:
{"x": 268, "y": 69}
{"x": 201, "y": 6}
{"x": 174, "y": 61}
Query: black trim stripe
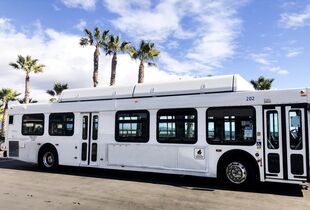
{"x": 307, "y": 143}
{"x": 89, "y": 137}
{"x": 284, "y": 147}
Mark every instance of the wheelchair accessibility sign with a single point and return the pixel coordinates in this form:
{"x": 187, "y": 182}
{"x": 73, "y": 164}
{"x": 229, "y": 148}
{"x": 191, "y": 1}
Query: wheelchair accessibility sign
{"x": 199, "y": 153}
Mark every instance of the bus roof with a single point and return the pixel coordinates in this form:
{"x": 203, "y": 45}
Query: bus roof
{"x": 213, "y": 84}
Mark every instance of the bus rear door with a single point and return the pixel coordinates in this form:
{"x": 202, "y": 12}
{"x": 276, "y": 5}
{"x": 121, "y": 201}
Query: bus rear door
{"x": 89, "y": 136}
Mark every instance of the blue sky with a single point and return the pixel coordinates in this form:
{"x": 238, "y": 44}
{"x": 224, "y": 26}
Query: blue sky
{"x": 196, "y": 38}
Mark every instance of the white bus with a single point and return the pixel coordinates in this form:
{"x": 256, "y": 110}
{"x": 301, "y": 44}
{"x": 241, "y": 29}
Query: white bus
{"x": 209, "y": 127}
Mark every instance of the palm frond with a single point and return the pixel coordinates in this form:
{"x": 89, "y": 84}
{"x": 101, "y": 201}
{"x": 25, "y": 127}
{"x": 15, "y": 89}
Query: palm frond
{"x": 89, "y": 35}
{"x": 51, "y": 92}
{"x": 133, "y": 52}
{"x": 125, "y": 46}
{"x": 14, "y": 65}
{"x": 97, "y": 34}
{"x": 38, "y": 68}
{"x": 105, "y": 35}
{"x": 151, "y": 64}
{"x": 84, "y": 42}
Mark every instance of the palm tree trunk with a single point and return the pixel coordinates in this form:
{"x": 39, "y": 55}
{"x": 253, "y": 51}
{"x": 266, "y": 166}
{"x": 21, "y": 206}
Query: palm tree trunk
{"x": 141, "y": 73}
{"x": 27, "y": 88}
{"x": 96, "y": 61}
{"x": 5, "y": 117}
{"x": 113, "y": 69}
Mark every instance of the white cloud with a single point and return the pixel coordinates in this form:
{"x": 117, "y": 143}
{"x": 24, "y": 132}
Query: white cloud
{"x": 293, "y": 53}
{"x": 183, "y": 67}
{"x": 278, "y": 70}
{"x": 267, "y": 61}
{"x": 210, "y": 27}
{"x": 296, "y": 20}
{"x": 288, "y": 4}
{"x": 261, "y": 58}
{"x": 219, "y": 29}
{"x": 83, "y": 4}
{"x": 139, "y": 19}
{"x": 172, "y": 44}
{"x": 65, "y": 61}
{"x": 56, "y": 8}
{"x": 6, "y": 26}
{"x": 81, "y": 25}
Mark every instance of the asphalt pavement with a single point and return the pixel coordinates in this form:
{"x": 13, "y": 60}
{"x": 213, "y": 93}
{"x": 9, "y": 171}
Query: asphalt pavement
{"x": 24, "y": 186}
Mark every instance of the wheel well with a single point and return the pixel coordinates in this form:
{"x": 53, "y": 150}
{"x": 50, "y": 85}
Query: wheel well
{"x": 45, "y": 147}
{"x": 243, "y": 155}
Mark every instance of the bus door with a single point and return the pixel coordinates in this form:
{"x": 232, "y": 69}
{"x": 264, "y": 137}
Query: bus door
{"x": 285, "y": 142}
{"x": 89, "y": 135}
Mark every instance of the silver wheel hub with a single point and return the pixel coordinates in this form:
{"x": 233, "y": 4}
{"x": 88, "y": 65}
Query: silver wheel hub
{"x": 48, "y": 159}
{"x": 236, "y": 172}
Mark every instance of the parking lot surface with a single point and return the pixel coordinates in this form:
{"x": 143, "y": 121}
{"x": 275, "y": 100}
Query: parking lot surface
{"x": 24, "y": 186}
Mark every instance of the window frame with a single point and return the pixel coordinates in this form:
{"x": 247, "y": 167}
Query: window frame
{"x": 178, "y": 110}
{"x": 43, "y": 124}
{"x": 222, "y": 142}
{"x": 132, "y": 139}
{"x": 59, "y": 113}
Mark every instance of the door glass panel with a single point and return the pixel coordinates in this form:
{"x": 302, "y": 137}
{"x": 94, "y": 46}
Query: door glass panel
{"x": 85, "y": 128}
{"x": 272, "y": 130}
{"x": 273, "y": 163}
{"x": 94, "y": 152}
{"x": 295, "y": 130}
{"x": 95, "y": 127}
{"x": 84, "y": 151}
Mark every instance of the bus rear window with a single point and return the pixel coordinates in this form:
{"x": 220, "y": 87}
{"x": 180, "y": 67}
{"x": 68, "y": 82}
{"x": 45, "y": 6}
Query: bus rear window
{"x": 33, "y": 125}
{"x": 231, "y": 125}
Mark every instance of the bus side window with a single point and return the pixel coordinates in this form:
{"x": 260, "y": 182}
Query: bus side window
{"x": 61, "y": 124}
{"x": 132, "y": 126}
{"x": 33, "y": 125}
{"x": 177, "y": 126}
{"x": 231, "y": 125}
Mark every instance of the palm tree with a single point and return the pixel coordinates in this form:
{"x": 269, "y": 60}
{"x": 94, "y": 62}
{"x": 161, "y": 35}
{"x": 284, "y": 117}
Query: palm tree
{"x": 56, "y": 91}
{"x": 262, "y": 83}
{"x": 114, "y": 46}
{"x": 98, "y": 40}
{"x": 146, "y": 53}
{"x": 28, "y": 65}
{"x": 6, "y": 95}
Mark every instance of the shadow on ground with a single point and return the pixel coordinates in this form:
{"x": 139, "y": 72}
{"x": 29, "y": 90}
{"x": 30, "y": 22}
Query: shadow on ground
{"x": 188, "y": 182}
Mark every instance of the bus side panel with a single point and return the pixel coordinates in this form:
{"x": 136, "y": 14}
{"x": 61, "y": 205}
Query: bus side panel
{"x": 157, "y": 156}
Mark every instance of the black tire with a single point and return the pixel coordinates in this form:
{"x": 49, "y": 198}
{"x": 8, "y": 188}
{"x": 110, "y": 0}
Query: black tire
{"x": 238, "y": 173}
{"x": 48, "y": 159}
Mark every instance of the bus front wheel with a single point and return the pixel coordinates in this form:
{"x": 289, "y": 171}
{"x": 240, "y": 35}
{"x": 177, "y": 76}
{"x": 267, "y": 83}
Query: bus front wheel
{"x": 238, "y": 173}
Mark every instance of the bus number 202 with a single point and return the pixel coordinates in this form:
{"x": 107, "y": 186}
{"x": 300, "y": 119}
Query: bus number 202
{"x": 250, "y": 98}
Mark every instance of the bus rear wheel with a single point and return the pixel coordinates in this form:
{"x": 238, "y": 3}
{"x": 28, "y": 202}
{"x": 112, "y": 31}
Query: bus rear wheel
{"x": 238, "y": 173}
{"x": 48, "y": 159}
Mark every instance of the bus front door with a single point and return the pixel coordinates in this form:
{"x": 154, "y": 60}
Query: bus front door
{"x": 285, "y": 142}
{"x": 89, "y": 136}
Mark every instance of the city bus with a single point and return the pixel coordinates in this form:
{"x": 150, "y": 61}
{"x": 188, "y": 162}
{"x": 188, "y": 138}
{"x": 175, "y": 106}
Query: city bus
{"x": 217, "y": 126}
